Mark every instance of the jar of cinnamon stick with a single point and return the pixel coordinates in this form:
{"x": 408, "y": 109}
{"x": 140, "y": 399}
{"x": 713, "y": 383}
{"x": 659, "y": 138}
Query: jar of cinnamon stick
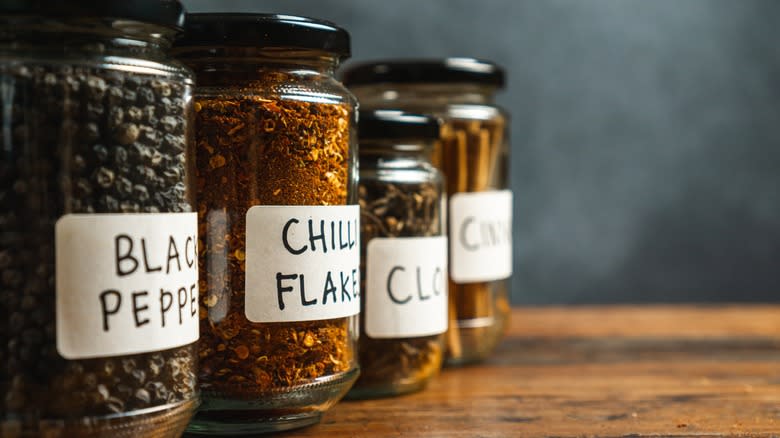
{"x": 473, "y": 154}
{"x": 278, "y": 220}
{"x": 404, "y": 254}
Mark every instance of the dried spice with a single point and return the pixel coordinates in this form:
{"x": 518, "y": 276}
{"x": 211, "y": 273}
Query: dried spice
{"x": 263, "y": 150}
{"x": 398, "y": 210}
{"x": 471, "y": 153}
{"x": 83, "y": 140}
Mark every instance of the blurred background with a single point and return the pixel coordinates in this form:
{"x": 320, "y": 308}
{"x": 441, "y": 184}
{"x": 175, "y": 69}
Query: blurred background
{"x": 645, "y": 134}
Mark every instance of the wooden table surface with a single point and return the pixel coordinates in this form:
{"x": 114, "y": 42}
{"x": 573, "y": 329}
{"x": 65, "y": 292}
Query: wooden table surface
{"x": 608, "y": 371}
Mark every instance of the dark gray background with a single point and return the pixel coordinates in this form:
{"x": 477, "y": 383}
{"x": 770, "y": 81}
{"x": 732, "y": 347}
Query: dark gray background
{"x": 645, "y": 134}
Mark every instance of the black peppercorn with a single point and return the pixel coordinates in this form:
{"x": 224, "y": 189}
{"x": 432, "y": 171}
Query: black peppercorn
{"x": 83, "y": 140}
{"x": 127, "y": 133}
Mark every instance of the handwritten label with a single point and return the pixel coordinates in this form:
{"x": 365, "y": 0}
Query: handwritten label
{"x": 126, "y": 283}
{"x": 406, "y": 287}
{"x": 481, "y": 236}
{"x": 302, "y": 263}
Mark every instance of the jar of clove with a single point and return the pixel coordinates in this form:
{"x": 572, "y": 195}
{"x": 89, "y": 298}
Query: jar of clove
{"x": 473, "y": 154}
{"x": 403, "y": 254}
{"x": 279, "y": 220}
{"x": 97, "y": 231}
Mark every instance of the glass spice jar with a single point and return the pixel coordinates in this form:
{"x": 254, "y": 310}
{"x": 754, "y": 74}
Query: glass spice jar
{"x": 403, "y": 254}
{"x": 473, "y": 154}
{"x": 277, "y": 202}
{"x": 97, "y": 234}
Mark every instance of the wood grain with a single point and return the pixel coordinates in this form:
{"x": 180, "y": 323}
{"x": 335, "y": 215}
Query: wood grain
{"x": 597, "y": 371}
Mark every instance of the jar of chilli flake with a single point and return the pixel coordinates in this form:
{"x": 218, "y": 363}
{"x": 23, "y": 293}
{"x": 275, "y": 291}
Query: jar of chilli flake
{"x": 404, "y": 254}
{"x": 98, "y": 272}
{"x": 279, "y": 248}
{"x": 473, "y": 154}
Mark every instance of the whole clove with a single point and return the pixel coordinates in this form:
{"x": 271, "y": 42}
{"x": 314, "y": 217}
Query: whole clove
{"x": 394, "y": 210}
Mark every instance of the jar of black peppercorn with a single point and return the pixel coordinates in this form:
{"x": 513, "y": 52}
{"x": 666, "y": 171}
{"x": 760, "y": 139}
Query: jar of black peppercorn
{"x": 97, "y": 231}
{"x": 473, "y": 154}
{"x": 404, "y": 254}
{"x": 279, "y": 220}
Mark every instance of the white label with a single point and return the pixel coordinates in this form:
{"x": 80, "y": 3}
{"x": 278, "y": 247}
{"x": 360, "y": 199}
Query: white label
{"x": 406, "y": 287}
{"x": 481, "y": 236}
{"x": 302, "y": 263}
{"x": 126, "y": 283}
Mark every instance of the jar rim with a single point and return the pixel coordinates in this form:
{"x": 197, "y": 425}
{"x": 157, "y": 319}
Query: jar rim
{"x": 166, "y": 13}
{"x": 263, "y": 31}
{"x": 408, "y": 71}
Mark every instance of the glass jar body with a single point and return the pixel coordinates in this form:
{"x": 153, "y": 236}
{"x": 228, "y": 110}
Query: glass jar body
{"x": 94, "y": 128}
{"x": 271, "y": 131}
{"x": 473, "y": 155}
{"x": 403, "y": 214}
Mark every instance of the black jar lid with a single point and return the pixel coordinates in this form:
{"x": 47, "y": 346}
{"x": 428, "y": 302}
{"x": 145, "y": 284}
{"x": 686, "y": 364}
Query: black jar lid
{"x": 264, "y": 30}
{"x": 167, "y": 13}
{"x": 447, "y": 70}
{"x": 395, "y": 124}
